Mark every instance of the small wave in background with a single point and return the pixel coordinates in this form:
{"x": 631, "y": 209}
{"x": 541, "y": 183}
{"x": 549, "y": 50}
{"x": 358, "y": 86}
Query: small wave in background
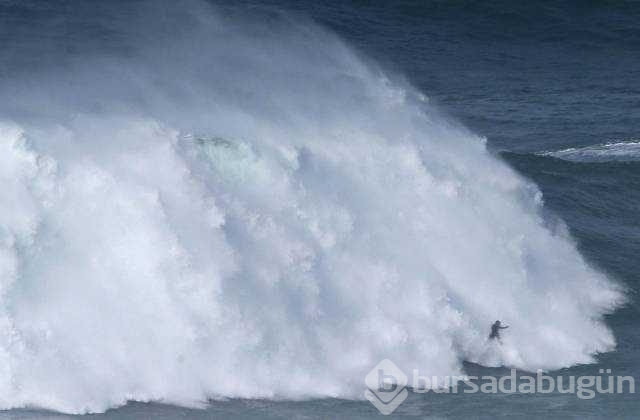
{"x": 620, "y": 151}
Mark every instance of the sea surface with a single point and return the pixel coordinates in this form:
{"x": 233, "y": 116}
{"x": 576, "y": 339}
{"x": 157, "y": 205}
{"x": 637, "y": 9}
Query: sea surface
{"x": 550, "y": 88}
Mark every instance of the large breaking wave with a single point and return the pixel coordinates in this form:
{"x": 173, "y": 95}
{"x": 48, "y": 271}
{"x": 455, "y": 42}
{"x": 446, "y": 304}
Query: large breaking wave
{"x": 198, "y": 205}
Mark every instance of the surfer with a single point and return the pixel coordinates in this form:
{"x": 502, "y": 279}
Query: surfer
{"x": 495, "y": 330}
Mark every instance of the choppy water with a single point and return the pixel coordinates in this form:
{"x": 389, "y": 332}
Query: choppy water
{"x": 256, "y": 203}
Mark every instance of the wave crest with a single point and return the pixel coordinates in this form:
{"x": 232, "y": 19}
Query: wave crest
{"x": 621, "y": 151}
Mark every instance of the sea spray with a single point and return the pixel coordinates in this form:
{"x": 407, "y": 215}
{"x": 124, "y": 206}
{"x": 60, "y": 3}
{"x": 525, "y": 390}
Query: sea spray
{"x": 202, "y": 205}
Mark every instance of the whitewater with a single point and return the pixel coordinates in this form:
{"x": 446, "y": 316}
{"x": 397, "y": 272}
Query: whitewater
{"x": 211, "y": 205}
{"x": 614, "y": 151}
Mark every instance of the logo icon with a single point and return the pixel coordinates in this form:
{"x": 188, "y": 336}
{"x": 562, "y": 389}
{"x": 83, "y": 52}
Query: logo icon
{"x": 386, "y": 387}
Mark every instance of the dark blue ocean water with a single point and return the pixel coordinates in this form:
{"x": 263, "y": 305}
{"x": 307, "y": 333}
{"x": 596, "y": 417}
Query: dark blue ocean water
{"x": 533, "y": 78}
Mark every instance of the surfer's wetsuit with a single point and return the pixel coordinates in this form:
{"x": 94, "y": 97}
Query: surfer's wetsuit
{"x": 495, "y": 330}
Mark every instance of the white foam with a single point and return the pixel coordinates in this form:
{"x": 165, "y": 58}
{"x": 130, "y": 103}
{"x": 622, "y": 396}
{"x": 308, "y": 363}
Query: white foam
{"x": 323, "y": 222}
{"x": 620, "y": 151}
